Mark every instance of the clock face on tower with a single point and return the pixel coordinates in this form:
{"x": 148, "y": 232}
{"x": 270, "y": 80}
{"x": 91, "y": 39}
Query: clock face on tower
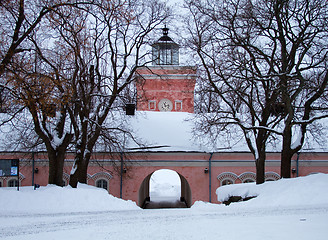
{"x": 165, "y": 105}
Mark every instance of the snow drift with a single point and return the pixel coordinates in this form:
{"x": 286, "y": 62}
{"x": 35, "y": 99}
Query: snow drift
{"x": 309, "y": 192}
{"x": 301, "y": 191}
{"x": 54, "y": 199}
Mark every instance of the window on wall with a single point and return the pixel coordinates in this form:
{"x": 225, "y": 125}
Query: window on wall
{"x": 226, "y": 182}
{"x": 152, "y": 105}
{"x": 13, "y": 183}
{"x": 227, "y": 178}
{"x": 0, "y": 184}
{"x": 102, "y": 183}
{"x": 247, "y": 177}
{"x": 178, "y": 105}
{"x": 248, "y": 181}
{"x": 271, "y": 176}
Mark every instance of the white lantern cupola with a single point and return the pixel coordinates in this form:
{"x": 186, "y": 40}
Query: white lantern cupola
{"x": 165, "y": 51}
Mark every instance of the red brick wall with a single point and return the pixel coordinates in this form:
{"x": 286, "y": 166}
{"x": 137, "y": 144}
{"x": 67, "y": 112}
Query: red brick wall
{"x": 175, "y": 83}
{"x": 190, "y": 165}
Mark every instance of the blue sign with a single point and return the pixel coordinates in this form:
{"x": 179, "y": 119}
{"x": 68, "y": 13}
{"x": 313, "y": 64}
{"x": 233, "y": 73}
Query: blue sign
{"x": 9, "y": 167}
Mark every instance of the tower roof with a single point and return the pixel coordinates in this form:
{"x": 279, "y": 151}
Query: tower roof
{"x": 165, "y": 38}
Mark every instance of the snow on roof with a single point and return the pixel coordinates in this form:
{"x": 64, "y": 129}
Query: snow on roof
{"x": 159, "y": 131}
{"x": 173, "y": 131}
{"x": 164, "y": 131}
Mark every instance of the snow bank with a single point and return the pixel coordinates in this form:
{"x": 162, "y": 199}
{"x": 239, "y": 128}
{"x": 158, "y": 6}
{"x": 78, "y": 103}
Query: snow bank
{"x": 54, "y": 199}
{"x": 301, "y": 191}
{"x": 310, "y": 191}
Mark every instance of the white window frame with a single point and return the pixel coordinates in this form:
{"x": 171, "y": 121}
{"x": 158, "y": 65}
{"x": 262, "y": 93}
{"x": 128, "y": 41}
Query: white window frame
{"x": 249, "y": 180}
{"x": 10, "y": 180}
{"x": 176, "y": 103}
{"x": 102, "y": 179}
{"x": 227, "y": 179}
{"x": 152, "y": 102}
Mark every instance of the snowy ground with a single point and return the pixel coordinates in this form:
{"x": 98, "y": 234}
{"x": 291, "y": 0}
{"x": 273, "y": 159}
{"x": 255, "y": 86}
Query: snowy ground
{"x": 286, "y": 209}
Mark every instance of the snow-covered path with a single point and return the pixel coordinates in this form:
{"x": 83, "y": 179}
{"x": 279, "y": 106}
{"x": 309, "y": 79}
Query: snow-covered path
{"x": 195, "y": 223}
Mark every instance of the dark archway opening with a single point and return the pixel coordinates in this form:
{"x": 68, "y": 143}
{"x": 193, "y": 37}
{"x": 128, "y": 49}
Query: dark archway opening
{"x": 153, "y": 199}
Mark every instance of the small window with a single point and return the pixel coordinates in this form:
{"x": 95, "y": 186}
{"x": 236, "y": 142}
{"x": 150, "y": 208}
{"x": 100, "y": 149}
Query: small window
{"x": 102, "y": 183}
{"x": 226, "y": 182}
{"x": 271, "y": 176}
{"x": 13, "y": 183}
{"x": 152, "y": 105}
{"x": 178, "y": 105}
{"x": 270, "y": 180}
{"x": 248, "y": 180}
{"x": 0, "y": 184}
{"x": 247, "y": 177}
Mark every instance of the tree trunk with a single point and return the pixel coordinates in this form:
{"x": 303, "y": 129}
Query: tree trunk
{"x": 285, "y": 169}
{"x": 74, "y": 176}
{"x": 81, "y": 169}
{"x": 83, "y": 172}
{"x": 73, "y": 179}
{"x": 286, "y": 153}
{"x": 260, "y": 168}
{"x": 80, "y": 174}
{"x": 261, "y": 152}
{"x": 56, "y": 165}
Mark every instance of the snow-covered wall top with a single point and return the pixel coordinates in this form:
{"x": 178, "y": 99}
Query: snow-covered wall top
{"x": 170, "y": 131}
{"x": 174, "y": 132}
{"x": 158, "y": 131}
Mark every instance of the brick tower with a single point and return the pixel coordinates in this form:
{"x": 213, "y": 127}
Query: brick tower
{"x": 166, "y": 86}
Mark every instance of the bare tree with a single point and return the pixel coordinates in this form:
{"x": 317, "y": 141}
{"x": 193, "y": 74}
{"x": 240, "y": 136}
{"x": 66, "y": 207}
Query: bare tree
{"x": 40, "y": 95}
{"x": 301, "y": 34}
{"x": 76, "y": 73}
{"x": 19, "y": 18}
{"x": 120, "y": 32}
{"x": 256, "y": 57}
{"x": 38, "y": 79}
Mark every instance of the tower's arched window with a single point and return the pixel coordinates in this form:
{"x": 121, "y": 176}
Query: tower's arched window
{"x": 165, "y": 51}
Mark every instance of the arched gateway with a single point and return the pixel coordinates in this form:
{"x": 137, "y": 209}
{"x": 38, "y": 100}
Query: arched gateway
{"x": 144, "y": 193}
